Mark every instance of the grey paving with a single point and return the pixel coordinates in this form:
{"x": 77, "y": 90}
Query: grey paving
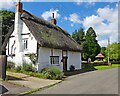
{"x": 9, "y": 88}
{"x": 96, "y": 82}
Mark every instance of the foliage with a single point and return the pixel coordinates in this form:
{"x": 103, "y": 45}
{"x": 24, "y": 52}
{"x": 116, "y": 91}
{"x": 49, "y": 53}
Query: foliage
{"x": 78, "y": 36}
{"x": 28, "y": 67}
{"x": 10, "y": 65}
{"x": 114, "y": 52}
{"x": 18, "y": 68}
{"x": 103, "y": 50}
{"x": 90, "y": 45}
{"x": 52, "y": 73}
{"x": 6, "y": 18}
{"x": 32, "y": 57}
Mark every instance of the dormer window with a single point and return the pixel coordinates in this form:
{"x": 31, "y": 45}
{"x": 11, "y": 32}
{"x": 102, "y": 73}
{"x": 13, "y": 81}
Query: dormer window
{"x": 25, "y": 43}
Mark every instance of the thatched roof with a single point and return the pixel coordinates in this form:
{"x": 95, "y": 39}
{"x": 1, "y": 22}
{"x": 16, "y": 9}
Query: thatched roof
{"x": 100, "y": 55}
{"x": 47, "y": 34}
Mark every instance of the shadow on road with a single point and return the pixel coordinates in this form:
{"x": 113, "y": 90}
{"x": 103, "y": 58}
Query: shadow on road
{"x": 14, "y": 78}
{"x": 75, "y": 72}
{"x": 3, "y": 89}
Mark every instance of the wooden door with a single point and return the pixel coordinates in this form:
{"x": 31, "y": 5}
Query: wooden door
{"x": 65, "y": 63}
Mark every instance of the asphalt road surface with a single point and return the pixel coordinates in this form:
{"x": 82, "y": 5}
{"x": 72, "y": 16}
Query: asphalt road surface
{"x": 95, "y": 82}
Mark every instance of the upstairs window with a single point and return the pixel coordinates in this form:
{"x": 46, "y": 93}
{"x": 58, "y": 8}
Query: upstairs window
{"x": 25, "y": 44}
{"x": 54, "y": 59}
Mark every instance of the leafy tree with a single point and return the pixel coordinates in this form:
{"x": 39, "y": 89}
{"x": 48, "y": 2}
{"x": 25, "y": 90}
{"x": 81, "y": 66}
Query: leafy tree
{"x": 103, "y": 50}
{"x": 6, "y": 18}
{"x": 114, "y": 52}
{"x": 90, "y": 46}
{"x": 78, "y": 36}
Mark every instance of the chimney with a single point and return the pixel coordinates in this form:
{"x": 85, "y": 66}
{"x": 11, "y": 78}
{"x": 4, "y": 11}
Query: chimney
{"x": 53, "y": 20}
{"x": 19, "y": 7}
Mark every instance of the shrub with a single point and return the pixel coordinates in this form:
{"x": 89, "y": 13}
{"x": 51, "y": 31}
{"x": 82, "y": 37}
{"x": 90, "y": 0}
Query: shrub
{"x": 10, "y": 65}
{"x": 52, "y": 73}
{"x": 18, "y": 68}
{"x": 28, "y": 67}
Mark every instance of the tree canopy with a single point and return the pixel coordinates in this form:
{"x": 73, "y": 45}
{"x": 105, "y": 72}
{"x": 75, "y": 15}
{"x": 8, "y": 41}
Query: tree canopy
{"x": 78, "y": 36}
{"x": 6, "y": 20}
{"x": 88, "y": 41}
{"x": 114, "y": 50}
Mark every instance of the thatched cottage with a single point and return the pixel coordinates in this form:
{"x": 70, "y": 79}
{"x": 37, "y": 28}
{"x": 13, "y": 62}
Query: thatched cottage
{"x": 52, "y": 45}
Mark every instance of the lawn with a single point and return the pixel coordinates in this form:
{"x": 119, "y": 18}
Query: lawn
{"x": 103, "y": 67}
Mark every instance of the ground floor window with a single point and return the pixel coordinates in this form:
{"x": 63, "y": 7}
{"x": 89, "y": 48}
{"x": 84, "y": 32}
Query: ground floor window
{"x": 54, "y": 59}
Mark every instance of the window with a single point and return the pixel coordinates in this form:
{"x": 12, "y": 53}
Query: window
{"x": 54, "y": 59}
{"x": 25, "y": 44}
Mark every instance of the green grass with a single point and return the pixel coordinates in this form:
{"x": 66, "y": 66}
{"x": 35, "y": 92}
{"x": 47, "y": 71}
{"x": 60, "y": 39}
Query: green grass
{"x": 103, "y": 67}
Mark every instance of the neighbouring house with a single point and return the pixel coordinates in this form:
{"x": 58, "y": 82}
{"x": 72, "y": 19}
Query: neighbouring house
{"x": 100, "y": 57}
{"x": 52, "y": 45}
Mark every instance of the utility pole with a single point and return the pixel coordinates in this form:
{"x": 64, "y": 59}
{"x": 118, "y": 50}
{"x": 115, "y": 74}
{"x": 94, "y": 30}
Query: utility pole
{"x": 108, "y": 50}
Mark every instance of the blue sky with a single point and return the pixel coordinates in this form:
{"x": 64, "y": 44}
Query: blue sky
{"x": 102, "y": 16}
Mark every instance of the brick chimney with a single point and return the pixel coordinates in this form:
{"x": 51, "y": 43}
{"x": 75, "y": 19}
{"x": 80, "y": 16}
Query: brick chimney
{"x": 53, "y": 20}
{"x": 19, "y": 7}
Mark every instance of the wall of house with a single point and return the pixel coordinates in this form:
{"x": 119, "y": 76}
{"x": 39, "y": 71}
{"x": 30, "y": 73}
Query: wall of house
{"x": 44, "y": 58}
{"x": 14, "y": 49}
{"x": 74, "y": 58}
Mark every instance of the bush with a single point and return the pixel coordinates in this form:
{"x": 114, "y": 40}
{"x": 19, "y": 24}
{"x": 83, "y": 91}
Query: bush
{"x": 10, "y": 65}
{"x": 28, "y": 67}
{"x": 18, "y": 68}
{"x": 52, "y": 73}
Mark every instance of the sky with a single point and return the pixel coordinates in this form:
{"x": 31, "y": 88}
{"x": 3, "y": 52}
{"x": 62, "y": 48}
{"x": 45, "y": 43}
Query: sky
{"x": 71, "y": 16}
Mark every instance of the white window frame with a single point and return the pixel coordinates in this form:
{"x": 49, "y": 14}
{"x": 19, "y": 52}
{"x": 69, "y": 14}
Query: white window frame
{"x": 25, "y": 44}
{"x": 54, "y": 59}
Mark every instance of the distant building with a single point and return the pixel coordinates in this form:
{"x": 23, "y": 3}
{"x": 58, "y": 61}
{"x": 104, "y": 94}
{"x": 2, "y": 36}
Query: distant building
{"x": 100, "y": 57}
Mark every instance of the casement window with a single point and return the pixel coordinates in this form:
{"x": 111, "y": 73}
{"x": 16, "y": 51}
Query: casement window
{"x": 54, "y": 59}
{"x": 25, "y": 44}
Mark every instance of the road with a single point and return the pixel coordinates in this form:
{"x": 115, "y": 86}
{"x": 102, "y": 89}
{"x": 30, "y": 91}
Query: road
{"x": 95, "y": 82}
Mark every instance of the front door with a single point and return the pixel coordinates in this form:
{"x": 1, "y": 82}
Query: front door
{"x": 65, "y": 63}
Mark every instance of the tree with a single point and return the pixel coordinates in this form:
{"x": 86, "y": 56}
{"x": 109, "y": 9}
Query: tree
{"x": 114, "y": 52}
{"x": 90, "y": 46}
{"x": 78, "y": 36}
{"x": 6, "y": 20}
{"x": 103, "y": 50}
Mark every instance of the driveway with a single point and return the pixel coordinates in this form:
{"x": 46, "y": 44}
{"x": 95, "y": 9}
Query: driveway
{"x": 95, "y": 82}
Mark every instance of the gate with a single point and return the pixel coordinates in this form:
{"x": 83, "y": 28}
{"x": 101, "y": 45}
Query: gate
{"x": 3, "y": 65}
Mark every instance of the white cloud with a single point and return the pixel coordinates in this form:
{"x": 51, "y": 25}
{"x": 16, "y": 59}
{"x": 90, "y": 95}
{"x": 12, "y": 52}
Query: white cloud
{"x": 105, "y": 23}
{"x": 103, "y": 43}
{"x": 8, "y": 4}
{"x": 72, "y": 25}
{"x": 65, "y": 18}
{"x": 48, "y": 14}
{"x": 74, "y": 18}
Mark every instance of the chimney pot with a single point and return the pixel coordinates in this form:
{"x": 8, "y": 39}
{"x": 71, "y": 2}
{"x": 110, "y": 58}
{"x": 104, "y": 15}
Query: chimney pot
{"x": 53, "y": 20}
{"x": 53, "y": 15}
{"x": 19, "y": 7}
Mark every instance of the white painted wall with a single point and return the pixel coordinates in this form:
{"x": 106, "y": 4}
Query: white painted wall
{"x": 58, "y": 52}
{"x": 44, "y": 58}
{"x": 74, "y": 58}
{"x": 19, "y": 52}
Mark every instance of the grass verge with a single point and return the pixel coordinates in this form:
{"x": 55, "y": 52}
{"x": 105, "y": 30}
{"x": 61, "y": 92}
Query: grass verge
{"x": 104, "y": 67}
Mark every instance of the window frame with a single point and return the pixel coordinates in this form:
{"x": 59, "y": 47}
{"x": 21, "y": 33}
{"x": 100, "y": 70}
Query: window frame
{"x": 53, "y": 61}
{"x": 25, "y": 44}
